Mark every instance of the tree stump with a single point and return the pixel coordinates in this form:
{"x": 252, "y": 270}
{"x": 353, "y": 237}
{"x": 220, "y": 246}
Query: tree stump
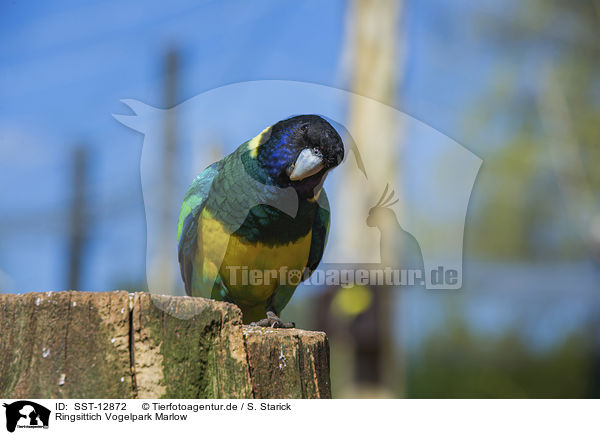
{"x": 139, "y": 345}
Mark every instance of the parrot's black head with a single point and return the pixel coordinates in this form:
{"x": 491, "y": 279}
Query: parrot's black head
{"x": 299, "y": 152}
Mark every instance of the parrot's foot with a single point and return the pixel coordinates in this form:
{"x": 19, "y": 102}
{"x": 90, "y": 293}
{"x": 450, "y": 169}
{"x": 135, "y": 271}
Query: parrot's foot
{"x": 273, "y": 321}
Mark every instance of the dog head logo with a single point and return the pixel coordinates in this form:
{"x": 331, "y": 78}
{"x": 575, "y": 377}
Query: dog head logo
{"x": 26, "y": 414}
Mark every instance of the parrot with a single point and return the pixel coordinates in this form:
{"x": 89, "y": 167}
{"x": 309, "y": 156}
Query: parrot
{"x": 261, "y": 208}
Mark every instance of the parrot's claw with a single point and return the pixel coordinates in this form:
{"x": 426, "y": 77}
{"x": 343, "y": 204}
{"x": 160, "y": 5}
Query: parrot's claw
{"x": 273, "y": 321}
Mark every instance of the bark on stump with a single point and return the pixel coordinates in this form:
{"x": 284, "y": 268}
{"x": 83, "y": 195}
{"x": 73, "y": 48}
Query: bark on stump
{"x": 139, "y": 345}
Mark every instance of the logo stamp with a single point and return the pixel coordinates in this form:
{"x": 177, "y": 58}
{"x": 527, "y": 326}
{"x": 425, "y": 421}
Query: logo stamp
{"x": 25, "y": 414}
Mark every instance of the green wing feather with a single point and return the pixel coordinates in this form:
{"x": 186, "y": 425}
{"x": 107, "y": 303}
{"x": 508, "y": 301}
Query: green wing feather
{"x": 187, "y": 226}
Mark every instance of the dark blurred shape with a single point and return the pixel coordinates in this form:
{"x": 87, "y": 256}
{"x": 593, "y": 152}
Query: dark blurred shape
{"x": 352, "y": 316}
{"x": 78, "y": 225}
{"x": 365, "y": 328}
{"x": 169, "y": 202}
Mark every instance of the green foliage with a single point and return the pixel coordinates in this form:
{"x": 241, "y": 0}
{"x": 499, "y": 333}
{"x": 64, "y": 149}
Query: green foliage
{"x": 456, "y": 363}
{"x": 540, "y": 120}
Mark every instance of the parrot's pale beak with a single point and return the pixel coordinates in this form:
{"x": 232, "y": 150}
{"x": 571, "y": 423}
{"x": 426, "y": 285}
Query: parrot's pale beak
{"x": 308, "y": 163}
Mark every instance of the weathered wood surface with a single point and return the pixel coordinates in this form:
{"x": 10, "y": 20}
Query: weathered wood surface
{"x": 292, "y": 362}
{"x": 138, "y": 345}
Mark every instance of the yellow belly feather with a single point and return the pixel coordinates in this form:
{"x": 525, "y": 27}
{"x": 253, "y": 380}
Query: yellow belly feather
{"x": 217, "y": 243}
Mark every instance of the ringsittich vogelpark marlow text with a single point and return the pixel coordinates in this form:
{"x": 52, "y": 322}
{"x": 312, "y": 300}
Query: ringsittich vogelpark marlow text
{"x": 261, "y": 208}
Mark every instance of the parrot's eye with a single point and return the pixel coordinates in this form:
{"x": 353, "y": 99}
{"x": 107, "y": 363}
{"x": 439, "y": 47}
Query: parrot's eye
{"x": 290, "y": 169}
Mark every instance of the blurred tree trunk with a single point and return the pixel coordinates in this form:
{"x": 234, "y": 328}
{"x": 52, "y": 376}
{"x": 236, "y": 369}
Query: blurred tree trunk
{"x": 373, "y": 43}
{"x": 164, "y": 272}
{"x": 78, "y": 224}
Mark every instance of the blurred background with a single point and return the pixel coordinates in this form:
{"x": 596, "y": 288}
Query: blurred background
{"x": 515, "y": 82}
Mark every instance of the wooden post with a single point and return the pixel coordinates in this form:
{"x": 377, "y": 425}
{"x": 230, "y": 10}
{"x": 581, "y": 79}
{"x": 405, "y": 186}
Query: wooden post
{"x": 139, "y": 345}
